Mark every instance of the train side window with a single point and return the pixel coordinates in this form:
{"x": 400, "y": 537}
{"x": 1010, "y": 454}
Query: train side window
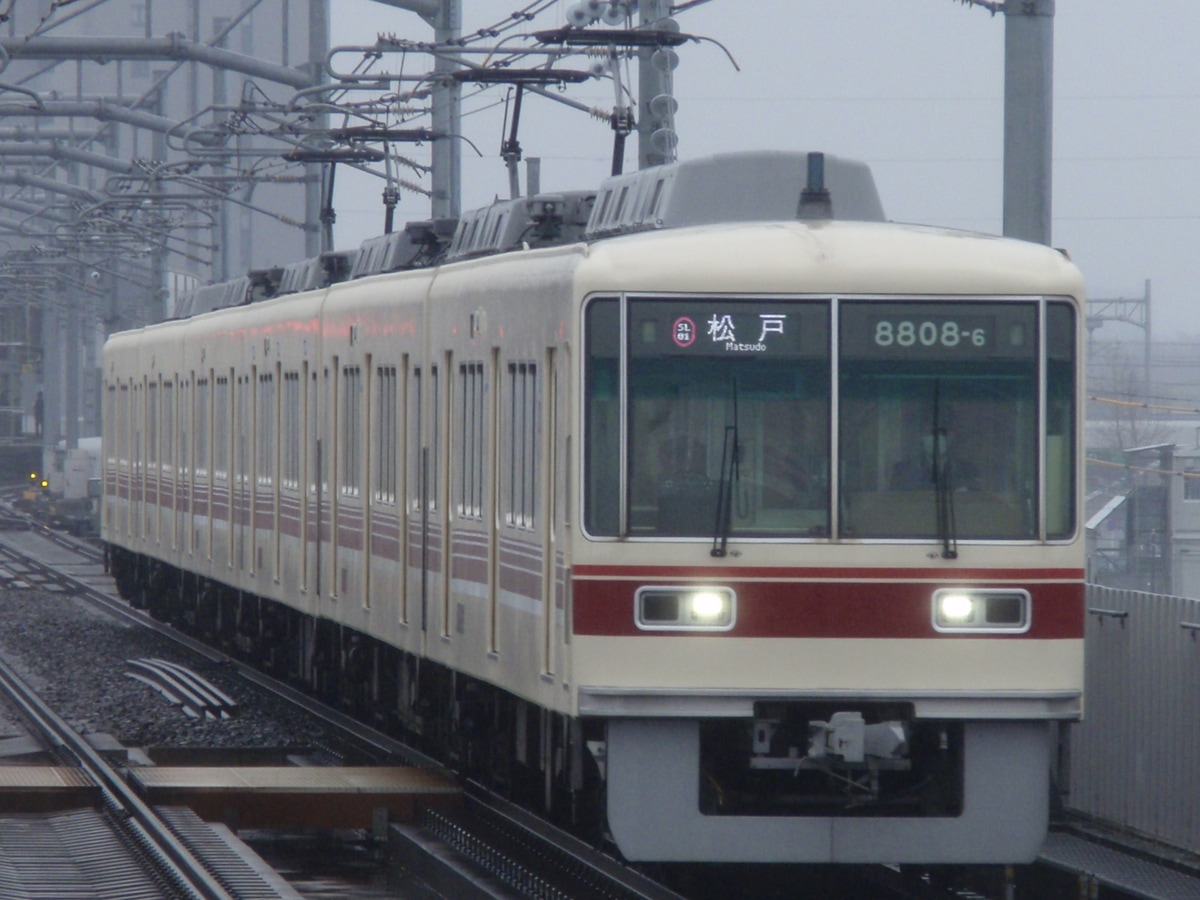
{"x": 522, "y": 463}
{"x": 471, "y": 440}
{"x": 386, "y": 435}
{"x": 290, "y": 475}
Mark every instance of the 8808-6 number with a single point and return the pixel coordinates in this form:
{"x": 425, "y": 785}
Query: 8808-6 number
{"x": 907, "y": 333}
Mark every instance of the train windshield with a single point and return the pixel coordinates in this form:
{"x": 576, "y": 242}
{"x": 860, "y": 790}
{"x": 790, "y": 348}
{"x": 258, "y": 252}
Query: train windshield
{"x": 727, "y": 418}
{"x": 725, "y": 423}
{"x": 939, "y": 420}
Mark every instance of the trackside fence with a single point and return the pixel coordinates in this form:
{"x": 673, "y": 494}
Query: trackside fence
{"x": 1135, "y": 758}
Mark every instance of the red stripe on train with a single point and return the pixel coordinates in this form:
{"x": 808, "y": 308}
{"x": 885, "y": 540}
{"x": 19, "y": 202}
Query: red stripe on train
{"x": 825, "y": 609}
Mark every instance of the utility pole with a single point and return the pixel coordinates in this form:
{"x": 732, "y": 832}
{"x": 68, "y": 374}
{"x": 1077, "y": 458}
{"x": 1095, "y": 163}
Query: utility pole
{"x": 656, "y": 102}
{"x": 1028, "y": 118}
{"x": 318, "y": 47}
{"x": 446, "y": 152}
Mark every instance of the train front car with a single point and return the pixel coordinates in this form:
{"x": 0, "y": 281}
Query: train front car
{"x": 828, "y": 596}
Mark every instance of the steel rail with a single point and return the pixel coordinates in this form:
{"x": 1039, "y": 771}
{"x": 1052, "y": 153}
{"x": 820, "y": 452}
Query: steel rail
{"x": 172, "y": 859}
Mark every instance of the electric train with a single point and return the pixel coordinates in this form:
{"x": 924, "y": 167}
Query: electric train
{"x": 707, "y": 511}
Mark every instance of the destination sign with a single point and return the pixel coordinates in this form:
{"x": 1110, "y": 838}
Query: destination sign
{"x": 723, "y": 328}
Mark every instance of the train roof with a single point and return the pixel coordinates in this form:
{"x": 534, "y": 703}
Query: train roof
{"x": 730, "y": 187}
{"x": 743, "y": 187}
{"x": 727, "y": 187}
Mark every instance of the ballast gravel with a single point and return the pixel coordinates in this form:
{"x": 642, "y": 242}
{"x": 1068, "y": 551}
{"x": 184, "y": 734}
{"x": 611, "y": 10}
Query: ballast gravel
{"x": 75, "y": 657}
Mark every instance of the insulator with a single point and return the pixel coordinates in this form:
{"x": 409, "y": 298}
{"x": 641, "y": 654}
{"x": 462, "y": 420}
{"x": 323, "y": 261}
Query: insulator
{"x": 666, "y": 60}
{"x": 664, "y": 140}
{"x": 664, "y": 105}
{"x": 613, "y": 15}
{"x": 578, "y": 16}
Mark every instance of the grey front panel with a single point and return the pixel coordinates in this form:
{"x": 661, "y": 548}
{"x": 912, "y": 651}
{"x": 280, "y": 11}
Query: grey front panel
{"x": 653, "y": 806}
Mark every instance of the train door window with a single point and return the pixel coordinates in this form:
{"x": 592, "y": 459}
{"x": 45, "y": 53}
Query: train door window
{"x": 443, "y": 412}
{"x": 153, "y": 480}
{"x": 167, "y": 439}
{"x": 352, "y": 425}
{"x": 244, "y": 442}
{"x": 200, "y": 428}
{"x": 434, "y": 464}
{"x": 1060, "y": 420}
{"x": 265, "y": 434}
{"x": 168, "y": 487}
{"x": 204, "y": 457}
{"x": 522, "y": 443}
{"x": 325, "y": 446}
{"x": 138, "y": 459}
{"x": 292, "y": 435}
{"x": 471, "y": 440}
{"x": 416, "y": 477}
{"x": 109, "y": 449}
{"x": 220, "y": 426}
{"x": 183, "y": 464}
{"x": 121, "y": 448}
{"x": 549, "y": 478}
{"x": 938, "y": 409}
{"x": 152, "y": 426}
{"x": 386, "y": 435}
{"x": 110, "y": 426}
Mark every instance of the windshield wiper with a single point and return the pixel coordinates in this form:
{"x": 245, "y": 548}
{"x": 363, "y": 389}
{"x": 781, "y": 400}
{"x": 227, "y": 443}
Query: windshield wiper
{"x": 730, "y": 472}
{"x": 942, "y": 482}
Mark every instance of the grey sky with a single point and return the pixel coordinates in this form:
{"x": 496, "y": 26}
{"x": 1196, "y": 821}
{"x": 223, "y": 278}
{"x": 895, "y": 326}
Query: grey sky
{"x": 913, "y": 87}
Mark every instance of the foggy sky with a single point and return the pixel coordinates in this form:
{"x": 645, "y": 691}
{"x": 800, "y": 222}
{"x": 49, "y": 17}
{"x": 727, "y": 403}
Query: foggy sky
{"x": 913, "y": 87}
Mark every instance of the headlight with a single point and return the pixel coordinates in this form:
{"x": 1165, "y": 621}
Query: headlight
{"x": 1003, "y": 610}
{"x": 956, "y": 607}
{"x": 685, "y": 608}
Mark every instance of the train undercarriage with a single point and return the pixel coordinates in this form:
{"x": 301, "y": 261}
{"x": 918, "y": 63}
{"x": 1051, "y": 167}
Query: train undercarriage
{"x": 528, "y": 754}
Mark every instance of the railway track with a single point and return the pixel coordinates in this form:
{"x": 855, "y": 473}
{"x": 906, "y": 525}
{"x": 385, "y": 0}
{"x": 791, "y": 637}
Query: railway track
{"x": 155, "y": 852}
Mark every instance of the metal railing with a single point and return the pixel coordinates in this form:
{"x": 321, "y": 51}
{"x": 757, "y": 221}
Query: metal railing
{"x": 1135, "y": 758}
